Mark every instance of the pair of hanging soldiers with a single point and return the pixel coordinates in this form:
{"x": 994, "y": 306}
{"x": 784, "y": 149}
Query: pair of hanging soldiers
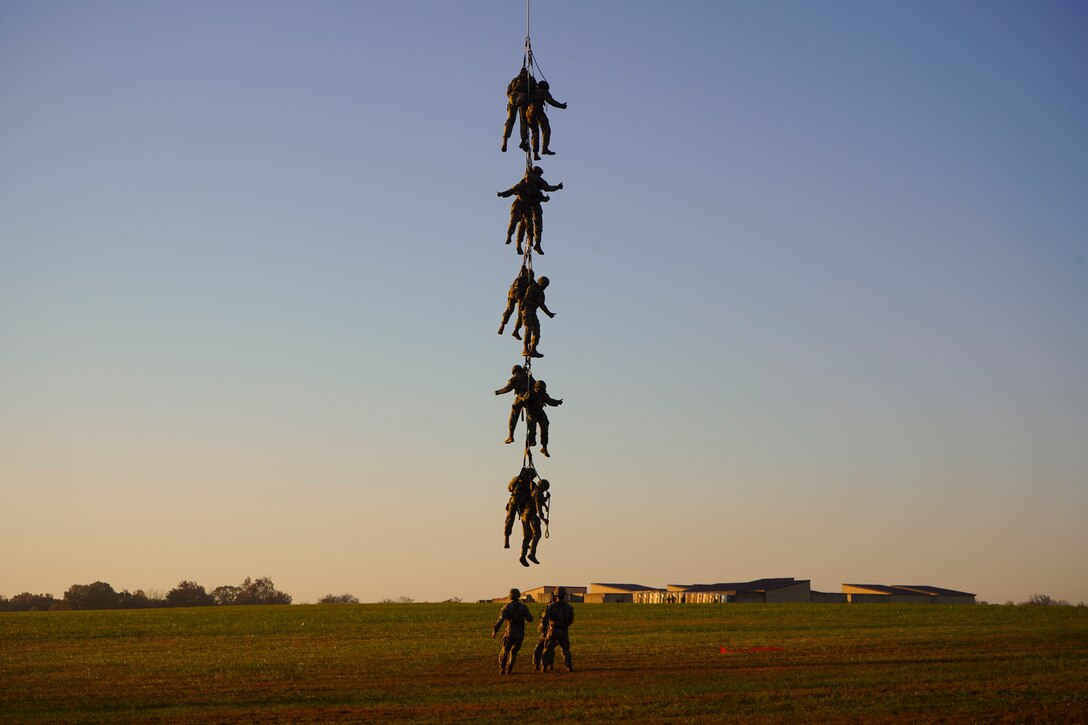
{"x": 529, "y": 500}
{"x": 526, "y": 100}
{"x": 555, "y": 622}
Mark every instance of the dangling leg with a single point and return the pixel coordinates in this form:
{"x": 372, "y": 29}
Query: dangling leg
{"x": 515, "y": 215}
{"x": 508, "y": 525}
{"x": 523, "y": 128}
{"x": 511, "y": 114}
{"x": 534, "y": 128}
{"x": 535, "y": 524}
{"x": 532, "y": 334}
{"x": 546, "y": 131}
{"x": 511, "y": 302}
{"x": 530, "y": 427}
{"x": 542, "y": 421}
{"x": 538, "y": 227}
{"x": 526, "y": 537}
{"x": 515, "y": 413}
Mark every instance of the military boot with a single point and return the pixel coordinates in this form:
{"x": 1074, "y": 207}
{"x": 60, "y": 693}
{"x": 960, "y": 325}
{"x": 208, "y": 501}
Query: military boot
{"x": 532, "y": 558}
{"x": 522, "y": 559}
{"x": 506, "y": 542}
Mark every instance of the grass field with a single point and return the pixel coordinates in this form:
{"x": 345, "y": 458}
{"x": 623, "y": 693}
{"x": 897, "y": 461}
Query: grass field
{"x": 436, "y": 663}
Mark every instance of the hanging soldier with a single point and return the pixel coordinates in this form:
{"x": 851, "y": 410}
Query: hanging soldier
{"x": 520, "y": 488}
{"x": 529, "y": 195}
{"x": 537, "y": 117}
{"x": 531, "y": 516}
{"x": 518, "y": 93}
{"x": 534, "y": 402}
{"x": 532, "y": 300}
{"x": 535, "y": 176}
{"x": 514, "y": 295}
{"x": 521, "y": 380}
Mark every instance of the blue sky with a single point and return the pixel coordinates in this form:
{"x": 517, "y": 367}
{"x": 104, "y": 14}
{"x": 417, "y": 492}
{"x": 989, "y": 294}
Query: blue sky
{"x": 820, "y": 275}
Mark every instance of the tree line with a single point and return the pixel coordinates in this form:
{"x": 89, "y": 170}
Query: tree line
{"x": 101, "y": 595}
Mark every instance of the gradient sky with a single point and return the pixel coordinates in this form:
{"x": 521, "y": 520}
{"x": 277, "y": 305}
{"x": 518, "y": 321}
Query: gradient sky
{"x": 819, "y": 268}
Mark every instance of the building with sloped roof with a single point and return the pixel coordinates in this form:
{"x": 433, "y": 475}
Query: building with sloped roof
{"x": 638, "y": 593}
{"x": 900, "y": 594}
{"x": 544, "y": 593}
{"x": 778, "y": 589}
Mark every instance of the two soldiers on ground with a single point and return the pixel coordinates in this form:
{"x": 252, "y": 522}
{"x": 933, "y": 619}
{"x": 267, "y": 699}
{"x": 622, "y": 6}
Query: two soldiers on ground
{"x": 555, "y": 622}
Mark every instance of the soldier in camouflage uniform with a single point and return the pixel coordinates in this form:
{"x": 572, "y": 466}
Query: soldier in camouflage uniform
{"x": 520, "y": 382}
{"x": 535, "y": 176}
{"x": 532, "y": 300}
{"x": 518, "y": 93}
{"x": 529, "y": 192}
{"x": 514, "y": 295}
{"x": 531, "y": 516}
{"x": 520, "y": 488}
{"x": 559, "y": 616}
{"x": 534, "y": 402}
{"x": 537, "y": 118}
{"x": 542, "y": 627}
{"x": 525, "y": 210}
{"x": 515, "y": 614}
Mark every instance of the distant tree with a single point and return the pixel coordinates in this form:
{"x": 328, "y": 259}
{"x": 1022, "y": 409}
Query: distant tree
{"x": 27, "y": 602}
{"x": 405, "y": 600}
{"x": 452, "y": 600}
{"x": 261, "y": 591}
{"x": 189, "y": 594}
{"x": 226, "y": 595}
{"x": 98, "y": 595}
{"x": 338, "y": 599}
{"x": 387, "y": 600}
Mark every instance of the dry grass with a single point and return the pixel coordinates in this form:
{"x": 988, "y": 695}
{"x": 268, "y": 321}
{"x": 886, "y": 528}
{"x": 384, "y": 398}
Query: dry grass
{"x": 436, "y": 663}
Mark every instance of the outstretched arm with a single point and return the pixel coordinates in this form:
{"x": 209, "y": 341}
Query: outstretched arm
{"x": 550, "y": 99}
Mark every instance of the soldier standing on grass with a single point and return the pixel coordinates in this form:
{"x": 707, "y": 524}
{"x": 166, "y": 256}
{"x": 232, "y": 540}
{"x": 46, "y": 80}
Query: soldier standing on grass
{"x": 538, "y": 652}
{"x": 515, "y": 614}
{"x": 559, "y": 616}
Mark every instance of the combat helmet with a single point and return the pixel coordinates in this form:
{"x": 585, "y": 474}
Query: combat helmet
{"x": 515, "y": 594}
